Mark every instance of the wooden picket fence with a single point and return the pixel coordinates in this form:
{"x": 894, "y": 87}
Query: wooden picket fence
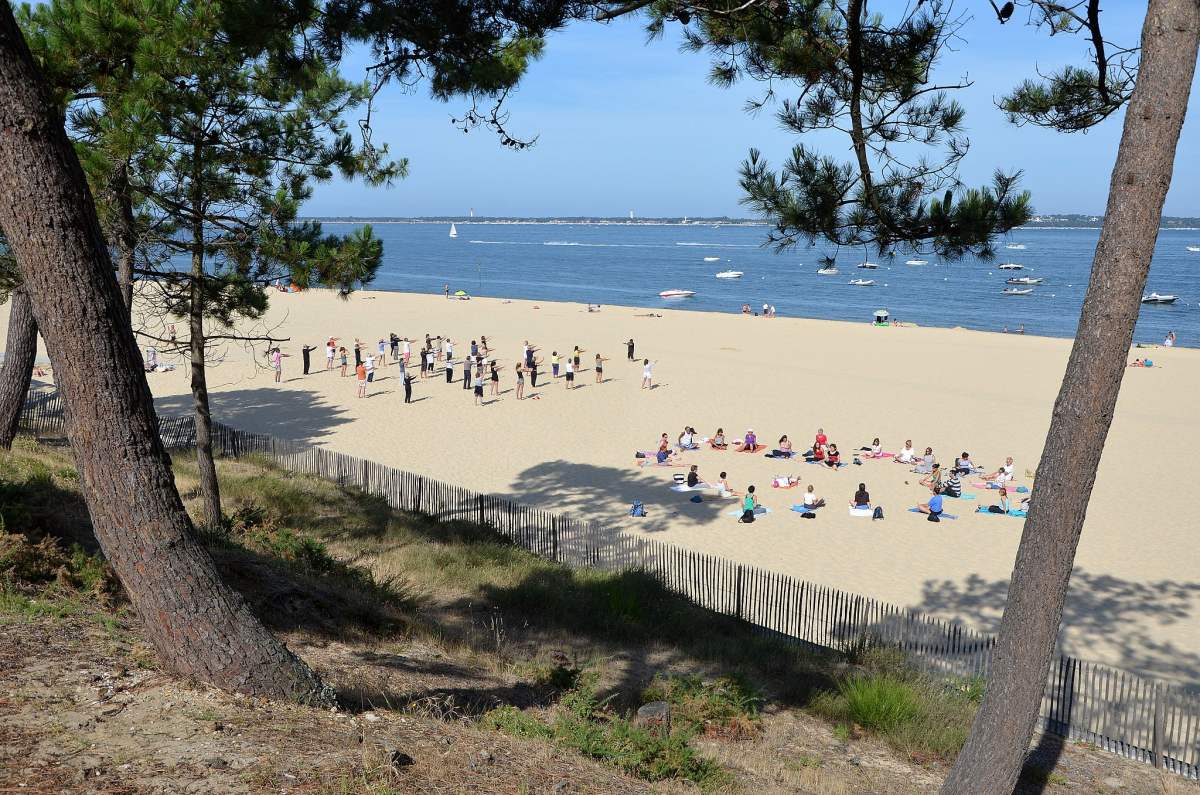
{"x": 1121, "y": 712}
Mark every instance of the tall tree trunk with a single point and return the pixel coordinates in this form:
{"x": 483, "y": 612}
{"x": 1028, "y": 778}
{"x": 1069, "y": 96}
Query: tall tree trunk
{"x": 19, "y": 355}
{"x": 210, "y": 489}
{"x": 199, "y": 626}
{"x": 992, "y": 759}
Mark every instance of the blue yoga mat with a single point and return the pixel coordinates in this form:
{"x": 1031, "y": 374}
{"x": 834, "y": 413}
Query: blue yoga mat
{"x": 963, "y": 496}
{"x": 942, "y": 515}
{"x": 803, "y": 508}
{"x": 1017, "y": 513}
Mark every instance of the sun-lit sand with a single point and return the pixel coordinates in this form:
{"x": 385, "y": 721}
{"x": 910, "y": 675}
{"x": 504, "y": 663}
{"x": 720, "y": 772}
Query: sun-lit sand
{"x": 1136, "y": 592}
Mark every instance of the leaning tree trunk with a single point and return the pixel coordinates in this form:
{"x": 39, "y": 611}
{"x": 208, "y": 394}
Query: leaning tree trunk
{"x": 991, "y": 761}
{"x": 199, "y": 626}
{"x": 124, "y": 233}
{"x": 19, "y": 355}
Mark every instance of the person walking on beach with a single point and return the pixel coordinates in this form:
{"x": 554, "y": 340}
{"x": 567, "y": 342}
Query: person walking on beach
{"x": 599, "y": 368}
{"x": 648, "y": 374}
{"x": 344, "y": 360}
{"x": 361, "y": 372}
{"x": 330, "y": 352}
{"x": 306, "y": 354}
{"x": 520, "y": 381}
{"x": 629, "y": 349}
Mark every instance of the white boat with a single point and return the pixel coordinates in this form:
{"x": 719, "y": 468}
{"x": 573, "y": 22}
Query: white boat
{"x": 1018, "y": 291}
{"x": 1010, "y": 266}
{"x": 1025, "y": 280}
{"x": 712, "y": 259}
{"x": 1193, "y": 248}
{"x": 828, "y": 270}
{"x": 453, "y": 231}
{"x": 863, "y": 282}
{"x": 730, "y": 275}
{"x": 870, "y": 266}
{"x": 916, "y": 262}
{"x": 1015, "y": 246}
{"x": 1155, "y": 298}
{"x": 676, "y": 293}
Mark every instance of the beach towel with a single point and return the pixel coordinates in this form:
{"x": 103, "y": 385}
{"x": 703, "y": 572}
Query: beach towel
{"x": 1014, "y": 512}
{"x": 759, "y": 511}
{"x": 942, "y": 515}
{"x": 815, "y": 461}
{"x": 681, "y": 487}
{"x": 881, "y": 455}
{"x": 772, "y": 454}
{"x": 862, "y": 513}
{"x": 805, "y": 508}
{"x": 775, "y": 483}
{"x": 963, "y": 496}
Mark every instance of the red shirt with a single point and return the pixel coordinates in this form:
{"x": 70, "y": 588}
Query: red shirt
{"x": 818, "y": 452}
{"x": 822, "y": 439}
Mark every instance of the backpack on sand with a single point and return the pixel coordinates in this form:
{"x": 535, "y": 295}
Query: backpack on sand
{"x": 747, "y": 517}
{"x": 878, "y": 512}
{"x": 933, "y": 517}
{"x": 637, "y": 509}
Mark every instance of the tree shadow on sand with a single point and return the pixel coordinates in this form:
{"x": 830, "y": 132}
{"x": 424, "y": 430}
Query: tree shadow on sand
{"x": 1120, "y": 614}
{"x": 283, "y": 413}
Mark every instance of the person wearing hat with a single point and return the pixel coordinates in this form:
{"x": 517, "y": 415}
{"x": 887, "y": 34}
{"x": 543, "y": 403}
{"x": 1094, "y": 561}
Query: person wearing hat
{"x": 749, "y": 444}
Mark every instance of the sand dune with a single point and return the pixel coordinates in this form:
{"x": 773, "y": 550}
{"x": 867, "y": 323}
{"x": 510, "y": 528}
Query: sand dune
{"x": 1136, "y": 593}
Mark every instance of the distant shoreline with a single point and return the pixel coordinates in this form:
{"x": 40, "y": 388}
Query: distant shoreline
{"x": 1174, "y": 224}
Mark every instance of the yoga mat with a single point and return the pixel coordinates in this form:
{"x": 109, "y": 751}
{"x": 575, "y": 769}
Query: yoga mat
{"x": 861, "y": 512}
{"x": 963, "y": 496}
{"x": 1015, "y": 512}
{"x": 759, "y": 512}
{"x": 942, "y": 515}
{"x": 804, "y": 508}
{"x": 684, "y": 487}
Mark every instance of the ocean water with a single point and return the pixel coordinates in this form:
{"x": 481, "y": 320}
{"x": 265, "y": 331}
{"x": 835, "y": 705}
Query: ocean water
{"x": 630, "y": 264}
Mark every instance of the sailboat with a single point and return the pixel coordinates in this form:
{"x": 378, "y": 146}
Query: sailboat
{"x": 453, "y": 231}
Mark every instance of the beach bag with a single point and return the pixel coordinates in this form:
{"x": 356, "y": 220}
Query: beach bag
{"x": 639, "y": 454}
{"x": 994, "y": 509}
{"x": 679, "y": 478}
{"x": 808, "y": 515}
{"x": 933, "y": 517}
{"x": 747, "y": 517}
{"x": 637, "y": 509}
{"x": 696, "y": 498}
{"x": 878, "y": 514}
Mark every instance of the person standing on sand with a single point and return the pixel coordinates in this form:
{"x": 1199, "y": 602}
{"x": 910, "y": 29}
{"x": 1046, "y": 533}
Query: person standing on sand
{"x": 648, "y": 374}
{"x": 554, "y": 362}
{"x": 406, "y": 348}
{"x": 520, "y": 381}
{"x": 345, "y": 363}
{"x": 483, "y": 346}
{"x": 358, "y": 346}
{"x": 478, "y": 384}
{"x": 406, "y": 381}
{"x": 369, "y": 363}
{"x": 306, "y": 354}
{"x": 466, "y": 372}
{"x": 570, "y": 371}
{"x": 330, "y": 352}
{"x": 575, "y": 357}
{"x": 361, "y": 372}
{"x": 599, "y": 368}
{"x": 629, "y": 349}
{"x": 495, "y": 378}
{"x": 1169, "y": 340}
{"x": 381, "y": 359}
{"x": 394, "y": 342}
{"x": 276, "y": 357}
{"x": 533, "y": 366}
{"x": 446, "y": 291}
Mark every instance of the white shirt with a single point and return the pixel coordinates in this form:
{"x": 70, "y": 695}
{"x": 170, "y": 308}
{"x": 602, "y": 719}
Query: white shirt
{"x": 330, "y": 351}
{"x": 647, "y": 371}
{"x": 1005, "y": 473}
{"x": 407, "y": 347}
{"x": 369, "y": 362}
{"x": 906, "y": 455}
{"x": 810, "y": 499}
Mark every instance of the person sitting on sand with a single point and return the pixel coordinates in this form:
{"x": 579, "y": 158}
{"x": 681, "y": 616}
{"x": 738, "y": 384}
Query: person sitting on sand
{"x": 906, "y": 455}
{"x": 750, "y": 501}
{"x": 784, "y": 450}
{"x": 817, "y": 453}
{"x": 926, "y": 464}
{"x": 833, "y": 459}
{"x": 811, "y": 500}
{"x": 963, "y": 465}
{"x": 821, "y": 439}
{"x": 749, "y": 444}
{"x": 662, "y": 458}
{"x": 746, "y": 310}
{"x": 875, "y": 450}
{"x": 1004, "y": 474}
{"x": 717, "y": 442}
{"x": 693, "y": 478}
{"x": 1002, "y": 505}
{"x": 1141, "y": 363}
{"x": 687, "y": 439}
{"x": 953, "y": 486}
{"x": 724, "y": 490}
{"x": 932, "y": 508}
{"x": 862, "y": 498}
{"x": 933, "y": 481}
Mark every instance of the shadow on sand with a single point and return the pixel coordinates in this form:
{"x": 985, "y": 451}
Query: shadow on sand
{"x": 284, "y": 413}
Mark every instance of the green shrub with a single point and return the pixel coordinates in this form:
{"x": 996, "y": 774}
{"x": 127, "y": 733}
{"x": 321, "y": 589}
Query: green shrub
{"x": 728, "y": 702}
{"x": 513, "y": 721}
{"x": 880, "y": 702}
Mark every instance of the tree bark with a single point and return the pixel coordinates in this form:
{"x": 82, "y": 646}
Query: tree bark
{"x": 19, "y": 355}
{"x": 199, "y": 626}
{"x": 125, "y": 233}
{"x": 991, "y": 760}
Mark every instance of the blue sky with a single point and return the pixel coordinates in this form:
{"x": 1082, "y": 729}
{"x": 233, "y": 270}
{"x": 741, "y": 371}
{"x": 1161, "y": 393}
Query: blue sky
{"x": 625, "y": 125}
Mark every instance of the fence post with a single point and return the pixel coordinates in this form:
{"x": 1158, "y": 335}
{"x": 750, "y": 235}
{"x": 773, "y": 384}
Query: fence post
{"x": 1159, "y": 723}
{"x": 554, "y": 543}
{"x": 737, "y": 591}
{"x": 481, "y": 522}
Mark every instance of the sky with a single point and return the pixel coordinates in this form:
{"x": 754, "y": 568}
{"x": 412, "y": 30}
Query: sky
{"x": 623, "y": 125}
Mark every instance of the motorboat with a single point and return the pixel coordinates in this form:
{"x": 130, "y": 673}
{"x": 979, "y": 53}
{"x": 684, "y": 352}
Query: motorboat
{"x": 828, "y": 270}
{"x": 916, "y": 262}
{"x": 863, "y": 282}
{"x": 870, "y": 266}
{"x": 1018, "y": 291}
{"x": 676, "y": 293}
{"x": 712, "y": 259}
{"x": 1025, "y": 280}
{"x": 1010, "y": 266}
{"x": 1015, "y": 246}
{"x": 1193, "y": 248}
{"x": 730, "y": 275}
{"x": 1155, "y": 298}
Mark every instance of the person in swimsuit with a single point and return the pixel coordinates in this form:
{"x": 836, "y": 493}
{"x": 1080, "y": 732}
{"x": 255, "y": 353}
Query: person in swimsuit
{"x": 933, "y": 481}
{"x": 717, "y": 442}
{"x": 599, "y": 368}
{"x": 495, "y": 380}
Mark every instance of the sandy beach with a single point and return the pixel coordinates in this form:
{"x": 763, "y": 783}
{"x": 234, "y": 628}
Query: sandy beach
{"x": 1135, "y": 595}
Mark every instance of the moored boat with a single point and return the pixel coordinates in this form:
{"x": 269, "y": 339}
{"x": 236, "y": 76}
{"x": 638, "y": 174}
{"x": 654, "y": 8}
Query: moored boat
{"x": 676, "y": 293}
{"x": 730, "y": 275}
{"x": 1155, "y": 298}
